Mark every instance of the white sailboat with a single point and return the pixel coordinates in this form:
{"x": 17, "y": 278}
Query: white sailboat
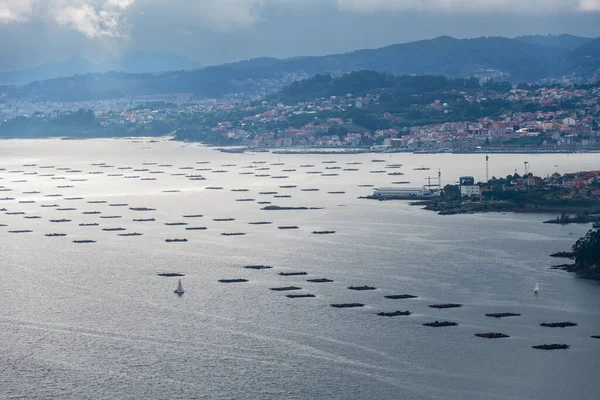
{"x": 536, "y": 289}
{"x": 179, "y": 291}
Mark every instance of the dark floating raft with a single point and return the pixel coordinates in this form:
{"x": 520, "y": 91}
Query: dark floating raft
{"x": 362, "y": 287}
{"x": 394, "y": 314}
{"x": 196, "y": 228}
{"x": 258, "y": 267}
{"x": 130, "y": 234}
{"x": 223, "y": 219}
{"x": 299, "y": 296}
{"x": 492, "y": 335}
{"x": 319, "y": 280}
{"x": 502, "y": 315}
{"x": 233, "y": 280}
{"x": 176, "y": 240}
{"x": 260, "y": 223}
{"x": 142, "y": 209}
{"x": 437, "y": 324}
{"x": 293, "y": 273}
{"x": 558, "y": 324}
{"x": 92, "y": 224}
{"x": 596, "y": 337}
{"x": 175, "y": 223}
{"x": 144, "y": 220}
{"x": 448, "y": 305}
{"x": 323, "y": 232}
{"x": 347, "y": 305}
{"x": 286, "y": 288}
{"x": 193, "y": 216}
{"x": 288, "y": 227}
{"x": 233, "y": 234}
{"x": 170, "y": 274}
{"x": 553, "y": 346}
{"x": 84, "y": 241}
{"x": 21, "y": 231}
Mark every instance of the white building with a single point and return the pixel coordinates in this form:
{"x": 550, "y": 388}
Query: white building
{"x": 469, "y": 190}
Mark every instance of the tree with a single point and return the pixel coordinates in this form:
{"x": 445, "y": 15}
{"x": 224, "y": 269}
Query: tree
{"x": 587, "y": 249}
{"x": 452, "y": 192}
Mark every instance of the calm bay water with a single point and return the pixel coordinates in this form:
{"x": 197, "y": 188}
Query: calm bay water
{"x": 95, "y": 321}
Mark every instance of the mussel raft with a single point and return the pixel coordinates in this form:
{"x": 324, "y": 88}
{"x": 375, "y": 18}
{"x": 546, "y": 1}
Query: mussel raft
{"x": 394, "y": 314}
{"x": 437, "y": 324}
{"x": 491, "y": 335}
{"x": 554, "y": 346}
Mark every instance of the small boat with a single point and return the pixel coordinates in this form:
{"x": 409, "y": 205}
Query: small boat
{"x": 536, "y": 289}
{"x": 179, "y": 291}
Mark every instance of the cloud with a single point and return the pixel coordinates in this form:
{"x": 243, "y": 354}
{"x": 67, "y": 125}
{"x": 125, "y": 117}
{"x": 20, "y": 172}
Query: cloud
{"x": 528, "y": 7}
{"x": 15, "y": 10}
{"x": 590, "y": 5}
{"x": 93, "y": 18}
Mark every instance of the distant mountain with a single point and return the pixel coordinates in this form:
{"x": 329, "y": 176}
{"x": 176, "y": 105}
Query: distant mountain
{"x": 498, "y": 58}
{"x": 149, "y": 61}
{"x": 137, "y": 62}
{"x": 563, "y": 41}
{"x": 512, "y": 59}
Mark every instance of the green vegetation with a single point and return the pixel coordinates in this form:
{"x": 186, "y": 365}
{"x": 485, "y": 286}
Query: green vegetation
{"x": 518, "y": 60}
{"x": 586, "y": 251}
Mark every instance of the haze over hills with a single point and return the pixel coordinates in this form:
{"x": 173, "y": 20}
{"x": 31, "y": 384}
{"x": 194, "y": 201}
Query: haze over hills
{"x": 564, "y": 41}
{"x": 136, "y": 62}
{"x": 516, "y": 60}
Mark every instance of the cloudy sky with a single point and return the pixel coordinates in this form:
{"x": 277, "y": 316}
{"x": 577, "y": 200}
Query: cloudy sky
{"x": 217, "y": 31}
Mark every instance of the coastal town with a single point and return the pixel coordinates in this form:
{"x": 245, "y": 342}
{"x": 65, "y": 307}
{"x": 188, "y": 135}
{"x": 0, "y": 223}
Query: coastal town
{"x": 555, "y": 118}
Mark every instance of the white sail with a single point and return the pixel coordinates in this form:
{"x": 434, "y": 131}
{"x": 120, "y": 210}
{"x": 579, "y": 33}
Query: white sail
{"x": 536, "y": 288}
{"x": 179, "y": 289}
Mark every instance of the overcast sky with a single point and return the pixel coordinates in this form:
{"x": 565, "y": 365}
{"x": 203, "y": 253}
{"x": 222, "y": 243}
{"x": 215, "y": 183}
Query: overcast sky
{"x": 218, "y": 31}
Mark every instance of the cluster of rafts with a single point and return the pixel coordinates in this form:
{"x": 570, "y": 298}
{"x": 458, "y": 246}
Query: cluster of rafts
{"x": 435, "y": 324}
